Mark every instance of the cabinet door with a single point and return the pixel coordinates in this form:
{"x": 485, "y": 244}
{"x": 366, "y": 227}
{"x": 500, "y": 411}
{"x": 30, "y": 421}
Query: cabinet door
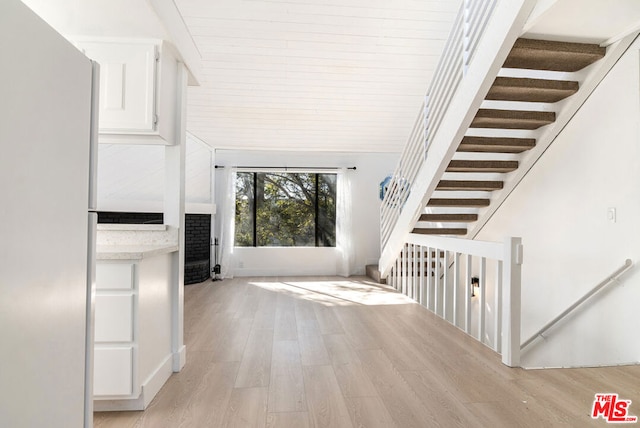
{"x": 114, "y": 318}
{"x": 127, "y": 85}
{"x": 114, "y": 276}
{"x": 113, "y": 371}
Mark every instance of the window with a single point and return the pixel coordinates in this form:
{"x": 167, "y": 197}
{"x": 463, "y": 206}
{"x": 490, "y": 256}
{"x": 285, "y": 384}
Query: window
{"x": 281, "y": 209}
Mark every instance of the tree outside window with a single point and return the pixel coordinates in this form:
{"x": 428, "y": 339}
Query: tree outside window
{"x": 285, "y": 209}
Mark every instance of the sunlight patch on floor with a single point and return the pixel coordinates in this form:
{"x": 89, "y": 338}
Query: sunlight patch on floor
{"x": 337, "y": 292}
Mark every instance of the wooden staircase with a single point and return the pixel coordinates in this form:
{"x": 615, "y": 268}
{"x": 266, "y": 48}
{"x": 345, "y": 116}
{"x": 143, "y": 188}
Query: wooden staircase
{"x": 499, "y": 137}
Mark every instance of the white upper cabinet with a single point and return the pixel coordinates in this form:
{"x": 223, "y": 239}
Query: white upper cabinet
{"x": 127, "y": 86}
{"x": 137, "y": 90}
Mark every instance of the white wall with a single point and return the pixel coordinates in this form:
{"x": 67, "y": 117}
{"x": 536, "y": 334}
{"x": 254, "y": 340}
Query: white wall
{"x": 371, "y": 170}
{"x": 560, "y": 211}
{"x": 131, "y": 177}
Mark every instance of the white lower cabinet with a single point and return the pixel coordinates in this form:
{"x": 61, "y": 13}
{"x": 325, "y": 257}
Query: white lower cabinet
{"x": 114, "y": 336}
{"x": 133, "y": 352}
{"x": 115, "y": 276}
{"x": 114, "y": 318}
{"x": 113, "y": 371}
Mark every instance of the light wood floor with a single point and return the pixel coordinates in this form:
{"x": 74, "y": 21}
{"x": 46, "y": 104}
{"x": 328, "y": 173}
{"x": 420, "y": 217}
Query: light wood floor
{"x": 331, "y": 352}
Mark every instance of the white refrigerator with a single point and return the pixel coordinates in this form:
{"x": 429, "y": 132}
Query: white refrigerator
{"x": 47, "y": 224}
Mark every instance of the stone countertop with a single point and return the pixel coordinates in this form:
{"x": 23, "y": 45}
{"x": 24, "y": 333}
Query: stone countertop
{"x": 133, "y": 252}
{"x": 134, "y": 242}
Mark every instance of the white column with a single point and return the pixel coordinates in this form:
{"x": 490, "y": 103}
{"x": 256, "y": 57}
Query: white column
{"x": 214, "y": 211}
{"x": 467, "y": 294}
{"x": 421, "y": 280}
{"x": 497, "y": 329}
{"x": 456, "y": 286}
{"x": 445, "y": 284}
{"x": 430, "y": 270}
{"x": 482, "y": 305}
{"x": 174, "y": 217}
{"x": 436, "y": 296}
{"x": 511, "y": 301}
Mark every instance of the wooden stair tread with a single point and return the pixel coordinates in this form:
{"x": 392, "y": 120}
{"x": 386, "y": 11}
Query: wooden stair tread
{"x": 531, "y": 90}
{"x": 551, "y": 55}
{"x": 482, "y": 166}
{"x": 496, "y": 144}
{"x": 440, "y": 231}
{"x": 512, "y": 119}
{"x": 461, "y": 218}
{"x": 470, "y": 185}
{"x": 527, "y": 54}
{"x": 458, "y": 202}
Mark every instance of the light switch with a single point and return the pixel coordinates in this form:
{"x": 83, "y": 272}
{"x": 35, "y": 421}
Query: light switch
{"x": 611, "y": 215}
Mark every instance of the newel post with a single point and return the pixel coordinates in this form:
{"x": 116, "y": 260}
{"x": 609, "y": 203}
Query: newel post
{"x": 511, "y": 301}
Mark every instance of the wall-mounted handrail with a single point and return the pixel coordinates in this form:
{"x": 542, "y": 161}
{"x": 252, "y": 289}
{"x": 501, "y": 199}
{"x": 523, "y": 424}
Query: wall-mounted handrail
{"x": 611, "y": 278}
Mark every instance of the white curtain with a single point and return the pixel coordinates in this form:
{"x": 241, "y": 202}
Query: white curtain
{"x": 344, "y": 224}
{"x": 227, "y": 223}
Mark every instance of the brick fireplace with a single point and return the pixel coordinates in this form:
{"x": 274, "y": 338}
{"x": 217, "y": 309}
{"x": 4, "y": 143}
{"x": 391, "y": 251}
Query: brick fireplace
{"x": 197, "y": 263}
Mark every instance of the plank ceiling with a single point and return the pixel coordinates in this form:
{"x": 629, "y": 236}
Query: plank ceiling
{"x": 315, "y": 75}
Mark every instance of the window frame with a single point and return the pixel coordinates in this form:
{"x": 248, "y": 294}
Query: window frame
{"x": 316, "y": 209}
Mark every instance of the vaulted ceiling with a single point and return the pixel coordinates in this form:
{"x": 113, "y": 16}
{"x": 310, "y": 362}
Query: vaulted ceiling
{"x": 317, "y": 75}
{"x": 343, "y": 75}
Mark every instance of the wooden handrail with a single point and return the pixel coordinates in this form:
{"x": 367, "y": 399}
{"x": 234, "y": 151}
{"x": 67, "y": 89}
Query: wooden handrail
{"x": 627, "y": 265}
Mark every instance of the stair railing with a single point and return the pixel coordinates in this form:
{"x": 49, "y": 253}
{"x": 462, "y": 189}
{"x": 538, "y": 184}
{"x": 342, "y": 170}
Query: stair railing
{"x": 439, "y": 272}
{"x": 480, "y": 40}
{"x": 398, "y": 189}
{"x": 468, "y": 28}
{"x": 609, "y": 280}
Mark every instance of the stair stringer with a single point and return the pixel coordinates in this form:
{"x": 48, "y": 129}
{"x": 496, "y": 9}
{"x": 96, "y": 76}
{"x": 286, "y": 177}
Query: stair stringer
{"x": 503, "y": 30}
{"x": 594, "y": 74}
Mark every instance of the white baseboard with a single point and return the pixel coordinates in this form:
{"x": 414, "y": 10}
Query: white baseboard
{"x": 118, "y": 405}
{"x": 247, "y": 272}
{"x": 149, "y": 390}
{"x": 179, "y": 359}
{"x": 154, "y": 382}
